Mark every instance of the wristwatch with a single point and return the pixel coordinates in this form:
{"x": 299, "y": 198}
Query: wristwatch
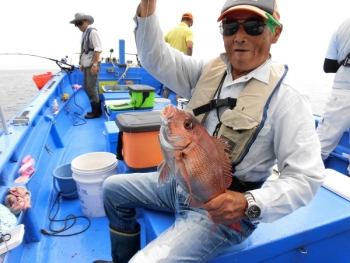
{"x": 95, "y": 64}
{"x": 252, "y": 211}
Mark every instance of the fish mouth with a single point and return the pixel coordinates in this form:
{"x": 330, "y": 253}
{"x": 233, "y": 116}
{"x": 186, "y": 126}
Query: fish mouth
{"x": 168, "y": 111}
{"x": 166, "y": 114}
{"x": 168, "y": 142}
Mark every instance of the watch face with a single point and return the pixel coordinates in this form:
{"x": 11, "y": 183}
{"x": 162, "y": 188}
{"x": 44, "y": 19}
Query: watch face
{"x": 253, "y": 212}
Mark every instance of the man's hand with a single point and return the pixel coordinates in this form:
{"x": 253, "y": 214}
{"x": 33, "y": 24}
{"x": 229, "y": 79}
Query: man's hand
{"x": 227, "y": 208}
{"x": 81, "y": 68}
{"x": 94, "y": 70}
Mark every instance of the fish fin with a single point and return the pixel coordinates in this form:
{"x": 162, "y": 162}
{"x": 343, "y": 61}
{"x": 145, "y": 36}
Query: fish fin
{"x": 160, "y": 166}
{"x": 164, "y": 174}
{"x": 212, "y": 229}
{"x": 224, "y": 154}
{"x": 236, "y": 227}
{"x": 193, "y": 203}
{"x": 181, "y": 168}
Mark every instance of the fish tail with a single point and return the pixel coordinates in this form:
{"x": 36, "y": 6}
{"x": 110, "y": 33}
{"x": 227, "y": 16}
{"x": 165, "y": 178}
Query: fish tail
{"x": 236, "y": 227}
{"x": 192, "y": 202}
{"x": 212, "y": 229}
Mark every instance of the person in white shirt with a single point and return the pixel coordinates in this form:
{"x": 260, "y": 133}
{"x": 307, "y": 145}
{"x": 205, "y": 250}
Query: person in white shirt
{"x": 245, "y": 96}
{"x": 335, "y": 119}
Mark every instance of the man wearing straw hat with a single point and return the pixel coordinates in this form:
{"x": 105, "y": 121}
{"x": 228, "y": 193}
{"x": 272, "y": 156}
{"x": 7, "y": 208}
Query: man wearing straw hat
{"x": 90, "y": 59}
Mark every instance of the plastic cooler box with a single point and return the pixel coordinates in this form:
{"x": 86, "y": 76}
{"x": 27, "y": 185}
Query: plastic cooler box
{"x": 140, "y": 97}
{"x": 138, "y": 143}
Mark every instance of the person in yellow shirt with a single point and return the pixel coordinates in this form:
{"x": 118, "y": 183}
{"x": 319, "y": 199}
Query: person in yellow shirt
{"x": 181, "y": 38}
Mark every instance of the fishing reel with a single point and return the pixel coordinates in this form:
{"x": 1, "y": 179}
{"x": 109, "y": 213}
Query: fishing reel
{"x": 64, "y": 65}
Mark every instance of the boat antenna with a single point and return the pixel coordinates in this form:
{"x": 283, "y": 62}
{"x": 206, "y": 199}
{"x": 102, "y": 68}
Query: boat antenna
{"x": 62, "y": 63}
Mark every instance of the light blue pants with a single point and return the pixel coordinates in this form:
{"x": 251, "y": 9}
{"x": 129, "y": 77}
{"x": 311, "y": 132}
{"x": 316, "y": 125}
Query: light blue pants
{"x": 187, "y": 240}
{"x": 335, "y": 121}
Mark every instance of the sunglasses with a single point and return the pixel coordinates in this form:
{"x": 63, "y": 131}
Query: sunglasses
{"x": 79, "y": 23}
{"x": 252, "y": 26}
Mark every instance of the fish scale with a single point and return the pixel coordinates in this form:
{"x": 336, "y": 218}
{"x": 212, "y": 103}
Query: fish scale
{"x": 200, "y": 167}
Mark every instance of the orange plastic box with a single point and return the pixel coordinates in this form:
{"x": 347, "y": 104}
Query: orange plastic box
{"x": 138, "y": 143}
{"x": 41, "y": 80}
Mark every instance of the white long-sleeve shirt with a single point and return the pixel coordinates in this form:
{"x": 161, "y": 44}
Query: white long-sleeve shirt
{"x": 338, "y": 49}
{"x": 288, "y": 134}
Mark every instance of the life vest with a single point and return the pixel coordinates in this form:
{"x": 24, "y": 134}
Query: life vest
{"x": 346, "y": 62}
{"x": 241, "y": 124}
{"x": 85, "y": 44}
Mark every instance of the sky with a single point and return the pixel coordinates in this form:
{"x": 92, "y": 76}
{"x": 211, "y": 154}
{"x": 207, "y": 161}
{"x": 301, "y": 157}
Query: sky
{"x": 41, "y": 27}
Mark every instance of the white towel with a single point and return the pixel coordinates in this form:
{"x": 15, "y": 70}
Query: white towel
{"x": 338, "y": 183}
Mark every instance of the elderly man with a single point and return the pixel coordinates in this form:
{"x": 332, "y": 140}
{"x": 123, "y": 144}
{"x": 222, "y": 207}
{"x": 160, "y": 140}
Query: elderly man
{"x": 244, "y": 96}
{"x": 90, "y": 59}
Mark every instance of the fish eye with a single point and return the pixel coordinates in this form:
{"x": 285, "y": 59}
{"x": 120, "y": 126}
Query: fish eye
{"x": 188, "y": 125}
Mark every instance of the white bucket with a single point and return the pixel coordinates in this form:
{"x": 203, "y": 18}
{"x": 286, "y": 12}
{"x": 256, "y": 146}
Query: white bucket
{"x": 89, "y": 172}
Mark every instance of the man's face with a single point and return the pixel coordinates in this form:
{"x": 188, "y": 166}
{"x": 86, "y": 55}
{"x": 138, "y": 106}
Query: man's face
{"x": 82, "y": 25}
{"x": 247, "y": 52}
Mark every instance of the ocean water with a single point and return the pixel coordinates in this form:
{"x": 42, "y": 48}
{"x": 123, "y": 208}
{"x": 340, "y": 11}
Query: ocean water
{"x": 17, "y": 88}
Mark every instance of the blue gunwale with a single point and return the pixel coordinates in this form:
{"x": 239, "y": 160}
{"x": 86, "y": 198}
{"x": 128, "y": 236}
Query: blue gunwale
{"x": 322, "y": 228}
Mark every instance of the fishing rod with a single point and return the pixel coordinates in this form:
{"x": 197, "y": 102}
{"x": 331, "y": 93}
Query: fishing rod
{"x": 62, "y": 63}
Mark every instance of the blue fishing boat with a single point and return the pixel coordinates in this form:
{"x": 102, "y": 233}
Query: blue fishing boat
{"x": 55, "y": 228}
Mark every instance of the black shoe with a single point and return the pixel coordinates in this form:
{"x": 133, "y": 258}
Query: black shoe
{"x": 96, "y": 111}
{"x": 92, "y": 115}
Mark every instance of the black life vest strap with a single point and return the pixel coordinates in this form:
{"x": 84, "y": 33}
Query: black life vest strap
{"x": 346, "y": 61}
{"x": 213, "y": 104}
{"x": 241, "y": 187}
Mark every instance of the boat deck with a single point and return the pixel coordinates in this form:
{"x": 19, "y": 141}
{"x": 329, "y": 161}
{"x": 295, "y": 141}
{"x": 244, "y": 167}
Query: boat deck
{"x": 316, "y": 233}
{"x": 93, "y": 243}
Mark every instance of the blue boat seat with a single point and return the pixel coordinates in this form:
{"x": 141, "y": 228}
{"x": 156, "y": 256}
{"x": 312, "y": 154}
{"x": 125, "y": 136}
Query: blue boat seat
{"x": 339, "y": 158}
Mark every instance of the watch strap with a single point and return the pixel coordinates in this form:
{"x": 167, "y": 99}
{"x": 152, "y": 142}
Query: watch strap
{"x": 251, "y": 203}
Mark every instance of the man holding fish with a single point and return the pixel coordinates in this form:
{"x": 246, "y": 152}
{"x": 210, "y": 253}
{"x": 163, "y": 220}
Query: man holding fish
{"x": 243, "y": 117}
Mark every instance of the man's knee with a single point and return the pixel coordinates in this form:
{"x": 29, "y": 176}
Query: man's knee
{"x": 109, "y": 185}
